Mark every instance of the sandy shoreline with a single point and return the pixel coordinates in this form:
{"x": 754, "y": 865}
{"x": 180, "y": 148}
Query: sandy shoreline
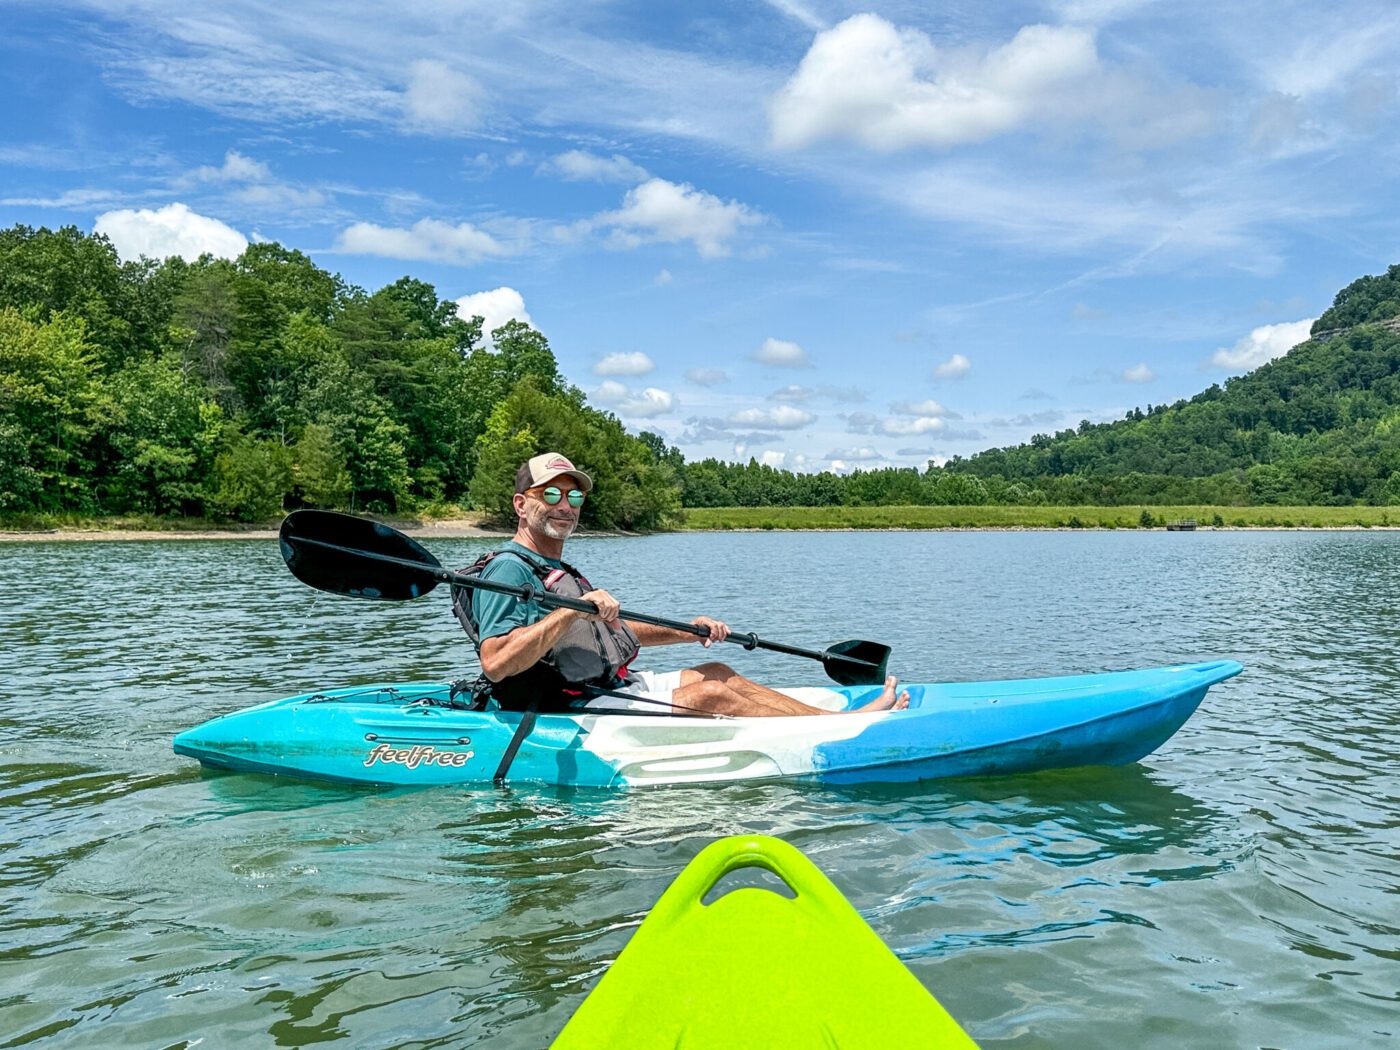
{"x": 451, "y": 530}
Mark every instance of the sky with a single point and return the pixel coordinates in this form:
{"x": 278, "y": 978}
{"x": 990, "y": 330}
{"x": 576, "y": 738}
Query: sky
{"x": 826, "y": 236}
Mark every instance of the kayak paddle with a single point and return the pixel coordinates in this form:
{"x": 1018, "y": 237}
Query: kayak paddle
{"x": 344, "y": 554}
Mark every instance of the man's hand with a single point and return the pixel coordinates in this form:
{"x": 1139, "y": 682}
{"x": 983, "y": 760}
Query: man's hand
{"x": 608, "y": 607}
{"x": 718, "y": 631}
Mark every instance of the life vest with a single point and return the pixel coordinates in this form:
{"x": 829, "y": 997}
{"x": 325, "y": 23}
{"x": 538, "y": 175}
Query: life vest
{"x": 590, "y": 653}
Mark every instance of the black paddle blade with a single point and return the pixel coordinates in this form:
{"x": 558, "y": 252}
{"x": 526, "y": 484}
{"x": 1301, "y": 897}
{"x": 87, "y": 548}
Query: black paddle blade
{"x": 857, "y": 662}
{"x": 339, "y": 553}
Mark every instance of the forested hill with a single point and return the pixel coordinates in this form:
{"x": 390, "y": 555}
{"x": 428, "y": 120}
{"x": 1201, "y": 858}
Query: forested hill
{"x": 1320, "y": 425}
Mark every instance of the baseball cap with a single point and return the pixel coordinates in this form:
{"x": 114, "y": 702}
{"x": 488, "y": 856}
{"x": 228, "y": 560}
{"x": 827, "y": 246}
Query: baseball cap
{"x": 547, "y": 466}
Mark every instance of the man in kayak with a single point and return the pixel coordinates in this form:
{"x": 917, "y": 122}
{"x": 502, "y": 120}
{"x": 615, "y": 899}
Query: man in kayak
{"x": 563, "y": 659}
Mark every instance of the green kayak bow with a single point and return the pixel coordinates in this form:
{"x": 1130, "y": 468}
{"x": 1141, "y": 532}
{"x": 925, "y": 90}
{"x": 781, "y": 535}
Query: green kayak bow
{"x": 754, "y": 968}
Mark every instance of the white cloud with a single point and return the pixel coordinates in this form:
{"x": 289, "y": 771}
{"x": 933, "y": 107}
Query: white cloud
{"x": 67, "y": 200}
{"x": 1069, "y": 214}
{"x": 1139, "y": 373}
{"x": 172, "y": 230}
{"x": 798, "y": 12}
{"x": 919, "y": 408}
{"x": 440, "y": 98}
{"x": 633, "y": 364}
{"x": 864, "y": 454}
{"x": 276, "y": 196}
{"x": 1342, "y": 47}
{"x": 706, "y": 376}
{"x": 1280, "y": 121}
{"x": 495, "y": 308}
{"x": 917, "y": 425}
{"x": 663, "y": 211}
{"x": 581, "y": 165}
{"x": 236, "y": 168}
{"x": 793, "y": 393}
{"x": 480, "y": 166}
{"x": 955, "y": 367}
{"x": 664, "y": 277}
{"x": 1261, "y": 345}
{"x": 772, "y": 458}
{"x": 653, "y": 401}
{"x": 252, "y": 185}
{"x": 428, "y": 240}
{"x": 1097, "y": 12}
{"x": 891, "y": 88}
{"x": 782, "y": 354}
{"x": 784, "y": 417}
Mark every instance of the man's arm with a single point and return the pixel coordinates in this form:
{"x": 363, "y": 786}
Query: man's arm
{"x": 651, "y": 634}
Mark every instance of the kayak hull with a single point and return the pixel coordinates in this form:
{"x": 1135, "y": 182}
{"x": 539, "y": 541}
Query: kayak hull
{"x": 405, "y": 734}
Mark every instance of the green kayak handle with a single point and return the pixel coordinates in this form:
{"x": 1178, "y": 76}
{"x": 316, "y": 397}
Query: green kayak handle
{"x": 813, "y": 889}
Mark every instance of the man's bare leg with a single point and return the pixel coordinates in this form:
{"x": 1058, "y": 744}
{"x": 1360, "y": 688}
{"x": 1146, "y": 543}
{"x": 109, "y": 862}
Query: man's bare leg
{"x": 716, "y": 688}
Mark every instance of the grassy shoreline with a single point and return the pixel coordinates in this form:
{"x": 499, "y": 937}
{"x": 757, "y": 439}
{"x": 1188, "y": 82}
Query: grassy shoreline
{"x": 1034, "y": 517}
{"x": 455, "y": 522}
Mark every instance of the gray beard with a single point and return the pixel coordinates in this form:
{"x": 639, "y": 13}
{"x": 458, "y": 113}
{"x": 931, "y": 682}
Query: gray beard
{"x": 555, "y": 531}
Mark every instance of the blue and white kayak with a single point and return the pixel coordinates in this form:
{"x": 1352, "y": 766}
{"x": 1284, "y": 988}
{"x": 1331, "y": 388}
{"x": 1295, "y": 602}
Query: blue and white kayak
{"x": 409, "y": 734}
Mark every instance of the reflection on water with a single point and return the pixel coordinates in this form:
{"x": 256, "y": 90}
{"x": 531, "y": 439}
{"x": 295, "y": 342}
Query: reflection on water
{"x": 1237, "y": 888}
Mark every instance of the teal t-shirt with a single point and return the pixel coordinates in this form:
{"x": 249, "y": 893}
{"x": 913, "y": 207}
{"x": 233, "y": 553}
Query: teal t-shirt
{"x": 498, "y": 614}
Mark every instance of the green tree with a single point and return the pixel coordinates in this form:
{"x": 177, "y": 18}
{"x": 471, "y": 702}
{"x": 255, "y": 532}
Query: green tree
{"x": 490, "y": 375}
{"x": 631, "y": 490}
{"x": 205, "y": 316}
{"x": 319, "y": 469}
{"x": 51, "y": 406}
{"x": 359, "y": 421}
{"x": 79, "y": 275}
{"x": 250, "y": 479}
{"x": 410, "y": 345}
{"x": 162, "y": 438}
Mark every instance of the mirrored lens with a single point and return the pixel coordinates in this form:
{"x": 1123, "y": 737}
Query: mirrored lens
{"x": 576, "y": 497}
{"x": 551, "y": 495}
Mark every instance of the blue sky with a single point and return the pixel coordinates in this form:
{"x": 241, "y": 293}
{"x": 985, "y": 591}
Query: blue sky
{"x": 824, "y": 235}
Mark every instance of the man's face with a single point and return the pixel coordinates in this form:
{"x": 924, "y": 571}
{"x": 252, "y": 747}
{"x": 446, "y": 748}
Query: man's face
{"x": 557, "y": 521}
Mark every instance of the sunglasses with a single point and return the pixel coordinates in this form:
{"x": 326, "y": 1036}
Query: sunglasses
{"x": 553, "y": 494}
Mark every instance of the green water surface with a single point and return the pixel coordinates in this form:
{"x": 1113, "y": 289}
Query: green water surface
{"x": 1239, "y": 888}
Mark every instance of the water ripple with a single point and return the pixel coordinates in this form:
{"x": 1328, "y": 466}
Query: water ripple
{"x": 1238, "y": 888}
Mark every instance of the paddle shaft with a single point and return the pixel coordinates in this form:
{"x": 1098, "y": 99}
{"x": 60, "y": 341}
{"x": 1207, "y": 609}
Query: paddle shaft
{"x": 558, "y": 601}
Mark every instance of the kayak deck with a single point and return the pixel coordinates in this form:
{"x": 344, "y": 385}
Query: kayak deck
{"x": 405, "y": 734}
{"x": 744, "y": 970}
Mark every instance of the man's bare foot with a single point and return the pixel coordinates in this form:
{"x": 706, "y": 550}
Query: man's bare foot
{"x": 887, "y": 700}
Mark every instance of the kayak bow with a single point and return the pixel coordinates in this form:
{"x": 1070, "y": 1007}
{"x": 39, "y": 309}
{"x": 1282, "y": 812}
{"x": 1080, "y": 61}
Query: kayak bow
{"x": 758, "y": 968}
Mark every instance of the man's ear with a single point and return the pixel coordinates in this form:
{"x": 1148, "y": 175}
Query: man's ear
{"x": 518, "y": 502}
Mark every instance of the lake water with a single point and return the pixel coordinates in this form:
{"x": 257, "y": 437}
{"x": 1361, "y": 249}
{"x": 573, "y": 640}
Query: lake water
{"x": 1238, "y": 888}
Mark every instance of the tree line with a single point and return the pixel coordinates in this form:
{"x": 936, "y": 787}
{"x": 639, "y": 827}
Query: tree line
{"x": 237, "y": 389}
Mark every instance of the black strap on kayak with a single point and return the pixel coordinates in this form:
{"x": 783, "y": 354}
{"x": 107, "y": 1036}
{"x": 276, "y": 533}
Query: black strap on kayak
{"x": 670, "y": 705}
{"x": 527, "y": 723}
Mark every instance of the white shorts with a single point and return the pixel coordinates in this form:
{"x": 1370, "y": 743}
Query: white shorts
{"x": 650, "y": 692}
